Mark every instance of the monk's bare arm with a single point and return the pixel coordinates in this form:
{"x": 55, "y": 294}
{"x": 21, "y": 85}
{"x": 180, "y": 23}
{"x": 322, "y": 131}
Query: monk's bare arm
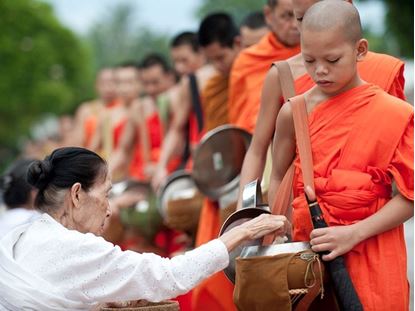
{"x": 255, "y": 157}
{"x": 283, "y": 150}
{"x": 341, "y": 239}
{"x": 176, "y": 134}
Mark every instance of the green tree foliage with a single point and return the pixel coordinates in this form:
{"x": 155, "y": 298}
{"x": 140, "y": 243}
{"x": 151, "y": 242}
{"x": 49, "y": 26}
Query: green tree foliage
{"x": 237, "y": 8}
{"x": 118, "y": 38}
{"x": 400, "y": 25}
{"x": 44, "y": 68}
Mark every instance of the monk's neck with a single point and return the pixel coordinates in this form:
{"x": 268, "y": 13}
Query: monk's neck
{"x": 354, "y": 82}
{"x": 279, "y": 42}
{"x": 316, "y": 95}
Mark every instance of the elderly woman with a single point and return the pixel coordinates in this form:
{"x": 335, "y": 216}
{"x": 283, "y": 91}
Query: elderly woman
{"x": 58, "y": 261}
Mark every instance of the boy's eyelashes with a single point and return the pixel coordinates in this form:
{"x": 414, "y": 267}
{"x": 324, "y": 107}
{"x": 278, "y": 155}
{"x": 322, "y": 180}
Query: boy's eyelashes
{"x": 334, "y": 60}
{"x": 310, "y": 61}
{"x": 299, "y": 19}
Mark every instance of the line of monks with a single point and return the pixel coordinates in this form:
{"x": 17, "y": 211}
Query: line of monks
{"x": 148, "y": 117}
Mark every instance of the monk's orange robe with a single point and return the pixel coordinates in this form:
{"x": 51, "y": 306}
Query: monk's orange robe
{"x": 154, "y": 129}
{"x": 362, "y": 140}
{"x": 91, "y": 122}
{"x": 248, "y": 75}
{"x": 215, "y": 293}
{"x": 382, "y": 70}
{"x": 214, "y": 100}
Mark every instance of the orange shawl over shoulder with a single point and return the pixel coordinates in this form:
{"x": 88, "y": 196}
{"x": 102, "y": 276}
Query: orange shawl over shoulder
{"x": 154, "y": 128}
{"x": 214, "y": 100}
{"x": 361, "y": 141}
{"x": 91, "y": 122}
{"x": 248, "y": 75}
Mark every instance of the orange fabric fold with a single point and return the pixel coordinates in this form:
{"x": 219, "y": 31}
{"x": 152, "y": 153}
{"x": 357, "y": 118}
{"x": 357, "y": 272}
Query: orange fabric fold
{"x": 154, "y": 129}
{"x": 248, "y": 75}
{"x": 215, "y": 293}
{"x": 361, "y": 141}
{"x": 91, "y": 122}
{"x": 90, "y": 126}
{"x": 215, "y": 102}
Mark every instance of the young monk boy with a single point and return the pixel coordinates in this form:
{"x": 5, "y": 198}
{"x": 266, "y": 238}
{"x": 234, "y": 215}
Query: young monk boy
{"x": 380, "y": 69}
{"x": 362, "y": 141}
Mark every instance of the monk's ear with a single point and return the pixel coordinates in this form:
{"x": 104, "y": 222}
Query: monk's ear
{"x": 76, "y": 190}
{"x": 361, "y": 48}
{"x": 267, "y": 14}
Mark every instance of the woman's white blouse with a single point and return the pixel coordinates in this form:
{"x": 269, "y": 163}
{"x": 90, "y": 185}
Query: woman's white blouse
{"x": 86, "y": 268}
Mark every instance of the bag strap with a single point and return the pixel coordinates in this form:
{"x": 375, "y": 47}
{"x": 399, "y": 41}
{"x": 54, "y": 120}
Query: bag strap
{"x": 302, "y": 135}
{"x": 197, "y": 105}
{"x": 283, "y": 196}
{"x": 197, "y": 109}
{"x": 286, "y": 79}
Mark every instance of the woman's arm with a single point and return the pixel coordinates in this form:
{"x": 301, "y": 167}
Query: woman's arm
{"x": 106, "y": 273}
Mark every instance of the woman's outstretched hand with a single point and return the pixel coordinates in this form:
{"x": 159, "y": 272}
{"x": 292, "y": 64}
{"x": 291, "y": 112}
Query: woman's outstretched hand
{"x": 255, "y": 229}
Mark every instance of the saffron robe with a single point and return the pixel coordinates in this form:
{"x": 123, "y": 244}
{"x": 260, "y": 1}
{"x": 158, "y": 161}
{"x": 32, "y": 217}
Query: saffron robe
{"x": 361, "y": 141}
{"x": 154, "y": 129}
{"x": 248, "y": 75}
{"x": 91, "y": 122}
{"x": 215, "y": 293}
{"x": 214, "y": 100}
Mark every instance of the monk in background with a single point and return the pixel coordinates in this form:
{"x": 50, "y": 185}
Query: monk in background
{"x": 87, "y": 114}
{"x": 383, "y": 70}
{"x": 362, "y": 141}
{"x": 112, "y": 122}
{"x": 141, "y": 140}
{"x": 220, "y": 41}
{"x": 250, "y": 68}
{"x": 252, "y": 28}
{"x": 184, "y": 127}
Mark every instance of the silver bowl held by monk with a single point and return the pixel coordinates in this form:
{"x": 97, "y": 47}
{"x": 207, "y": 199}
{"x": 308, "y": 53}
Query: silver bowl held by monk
{"x": 218, "y": 159}
{"x": 180, "y": 202}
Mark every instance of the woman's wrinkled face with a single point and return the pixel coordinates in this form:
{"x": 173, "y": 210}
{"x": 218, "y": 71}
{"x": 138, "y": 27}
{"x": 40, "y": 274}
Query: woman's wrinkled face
{"x": 94, "y": 207}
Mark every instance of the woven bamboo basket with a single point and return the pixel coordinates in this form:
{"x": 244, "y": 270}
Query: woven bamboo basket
{"x": 147, "y": 306}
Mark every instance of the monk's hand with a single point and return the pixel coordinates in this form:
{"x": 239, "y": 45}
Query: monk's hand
{"x": 335, "y": 241}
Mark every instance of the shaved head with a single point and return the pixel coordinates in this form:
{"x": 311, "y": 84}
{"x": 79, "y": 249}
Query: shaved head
{"x": 334, "y": 15}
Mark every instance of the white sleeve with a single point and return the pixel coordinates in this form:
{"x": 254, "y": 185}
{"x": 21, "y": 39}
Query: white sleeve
{"x": 110, "y": 274}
